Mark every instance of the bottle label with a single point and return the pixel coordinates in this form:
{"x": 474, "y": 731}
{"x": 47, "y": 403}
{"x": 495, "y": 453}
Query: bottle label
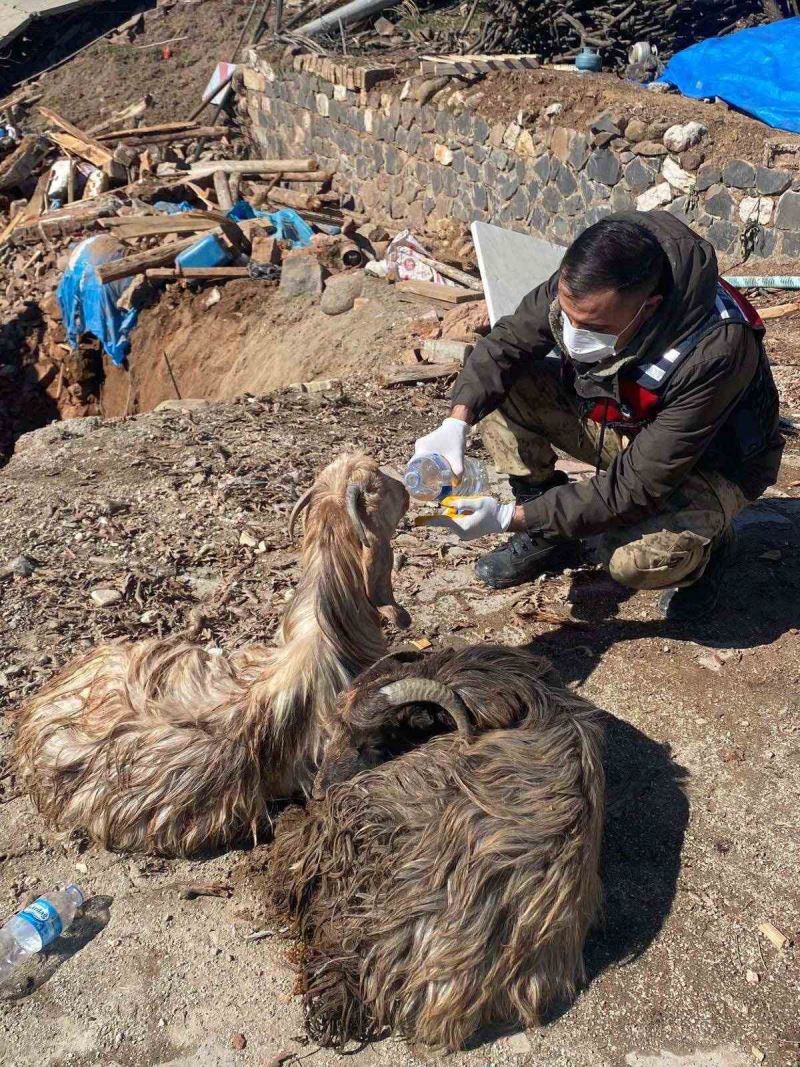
{"x": 44, "y": 918}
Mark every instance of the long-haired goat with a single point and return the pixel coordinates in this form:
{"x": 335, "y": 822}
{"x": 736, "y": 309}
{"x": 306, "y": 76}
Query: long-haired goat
{"x": 451, "y": 886}
{"x": 163, "y": 746}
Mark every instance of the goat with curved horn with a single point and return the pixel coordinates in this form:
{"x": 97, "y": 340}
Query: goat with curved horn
{"x": 427, "y": 690}
{"x": 441, "y": 887}
{"x": 160, "y": 746}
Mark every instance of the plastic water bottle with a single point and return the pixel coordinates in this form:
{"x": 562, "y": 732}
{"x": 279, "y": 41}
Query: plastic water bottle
{"x": 430, "y": 477}
{"x": 31, "y": 929}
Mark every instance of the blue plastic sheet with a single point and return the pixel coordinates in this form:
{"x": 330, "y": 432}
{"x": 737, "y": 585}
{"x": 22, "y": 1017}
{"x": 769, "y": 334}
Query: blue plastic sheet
{"x": 754, "y": 70}
{"x": 88, "y": 306}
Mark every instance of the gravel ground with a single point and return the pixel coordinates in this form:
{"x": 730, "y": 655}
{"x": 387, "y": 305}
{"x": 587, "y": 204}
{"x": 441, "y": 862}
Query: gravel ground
{"x": 702, "y": 835}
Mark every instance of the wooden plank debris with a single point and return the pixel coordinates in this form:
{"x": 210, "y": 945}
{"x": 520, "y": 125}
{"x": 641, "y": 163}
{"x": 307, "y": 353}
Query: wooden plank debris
{"x": 22, "y": 162}
{"x": 454, "y": 273}
{"x": 447, "y": 294}
{"x": 237, "y": 166}
{"x": 141, "y": 140}
{"x": 73, "y": 139}
{"x": 127, "y": 227}
{"x": 206, "y": 273}
{"x": 476, "y": 64}
{"x": 773, "y": 934}
{"x": 223, "y": 191}
{"x": 420, "y": 373}
{"x": 356, "y": 78}
{"x": 778, "y": 311}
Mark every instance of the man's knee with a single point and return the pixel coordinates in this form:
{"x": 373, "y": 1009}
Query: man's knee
{"x": 660, "y": 560}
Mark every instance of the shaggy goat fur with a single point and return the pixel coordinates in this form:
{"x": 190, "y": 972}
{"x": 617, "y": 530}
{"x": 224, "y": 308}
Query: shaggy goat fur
{"x": 453, "y": 885}
{"x": 163, "y": 746}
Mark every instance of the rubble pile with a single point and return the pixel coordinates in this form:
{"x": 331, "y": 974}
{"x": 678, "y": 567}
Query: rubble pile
{"x": 534, "y": 26}
{"x": 96, "y": 222}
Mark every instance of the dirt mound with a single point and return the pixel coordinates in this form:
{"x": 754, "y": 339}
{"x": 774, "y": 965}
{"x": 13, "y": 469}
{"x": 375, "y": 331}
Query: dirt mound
{"x": 252, "y": 339}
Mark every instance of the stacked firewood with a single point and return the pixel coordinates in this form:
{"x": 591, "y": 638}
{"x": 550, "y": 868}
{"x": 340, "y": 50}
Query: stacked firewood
{"x": 557, "y": 32}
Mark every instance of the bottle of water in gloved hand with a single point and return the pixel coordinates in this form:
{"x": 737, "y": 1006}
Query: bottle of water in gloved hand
{"x": 430, "y": 477}
{"x": 31, "y": 929}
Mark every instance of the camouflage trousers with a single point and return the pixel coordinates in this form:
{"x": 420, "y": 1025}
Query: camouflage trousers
{"x": 670, "y": 548}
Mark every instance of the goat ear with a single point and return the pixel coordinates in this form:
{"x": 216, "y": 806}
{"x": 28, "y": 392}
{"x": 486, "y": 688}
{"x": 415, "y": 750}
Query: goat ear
{"x": 354, "y": 500}
{"x": 377, "y": 560}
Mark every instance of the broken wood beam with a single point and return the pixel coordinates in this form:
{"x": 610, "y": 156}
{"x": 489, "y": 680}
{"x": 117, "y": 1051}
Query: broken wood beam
{"x": 164, "y": 255}
{"x": 198, "y": 273}
{"x": 132, "y": 111}
{"x": 222, "y": 189}
{"x": 73, "y": 139}
{"x": 141, "y": 131}
{"x": 17, "y": 167}
{"x": 476, "y": 64}
{"x": 420, "y": 373}
{"x": 209, "y": 133}
{"x": 127, "y": 227}
{"x": 448, "y": 294}
{"x": 295, "y": 199}
{"x": 240, "y": 166}
{"x": 455, "y": 273}
{"x": 778, "y": 311}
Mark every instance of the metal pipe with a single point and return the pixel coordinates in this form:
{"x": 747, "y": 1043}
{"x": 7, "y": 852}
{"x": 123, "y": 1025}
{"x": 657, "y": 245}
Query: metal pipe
{"x": 352, "y": 12}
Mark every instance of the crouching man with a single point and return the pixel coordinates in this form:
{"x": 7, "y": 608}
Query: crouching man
{"x": 662, "y": 383}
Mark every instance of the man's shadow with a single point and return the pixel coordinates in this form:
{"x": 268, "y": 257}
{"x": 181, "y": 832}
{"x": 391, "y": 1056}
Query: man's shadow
{"x": 34, "y": 972}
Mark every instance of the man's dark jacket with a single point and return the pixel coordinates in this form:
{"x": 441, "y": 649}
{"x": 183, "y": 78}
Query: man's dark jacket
{"x": 718, "y": 410}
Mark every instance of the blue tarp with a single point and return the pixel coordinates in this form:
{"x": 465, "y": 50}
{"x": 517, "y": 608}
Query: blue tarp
{"x": 88, "y": 306}
{"x": 753, "y": 70}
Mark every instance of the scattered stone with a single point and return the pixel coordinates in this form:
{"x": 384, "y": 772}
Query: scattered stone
{"x": 442, "y": 154}
{"x": 677, "y": 177}
{"x": 103, "y": 598}
{"x": 21, "y": 567}
{"x": 553, "y": 109}
{"x": 752, "y": 977}
{"x": 739, "y": 174}
{"x": 513, "y": 130}
{"x": 654, "y": 198}
{"x": 247, "y": 540}
{"x": 680, "y": 137}
{"x": 787, "y": 215}
{"x": 361, "y": 302}
{"x": 525, "y": 144}
{"x": 772, "y": 182}
{"x": 148, "y": 617}
{"x": 756, "y": 209}
{"x": 239, "y": 1042}
{"x": 606, "y": 123}
{"x": 301, "y": 275}
{"x": 341, "y": 292}
{"x": 213, "y": 297}
{"x": 649, "y": 148}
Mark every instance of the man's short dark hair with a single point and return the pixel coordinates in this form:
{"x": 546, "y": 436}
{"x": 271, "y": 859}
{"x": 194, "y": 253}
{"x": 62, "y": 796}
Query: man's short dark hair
{"x": 613, "y": 254}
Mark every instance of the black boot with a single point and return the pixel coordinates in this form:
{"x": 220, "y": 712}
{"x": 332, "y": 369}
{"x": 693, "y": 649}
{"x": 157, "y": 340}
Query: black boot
{"x": 691, "y": 603}
{"x": 525, "y": 556}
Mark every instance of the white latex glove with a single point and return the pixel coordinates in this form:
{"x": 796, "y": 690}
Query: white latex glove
{"x": 473, "y": 516}
{"x": 448, "y": 440}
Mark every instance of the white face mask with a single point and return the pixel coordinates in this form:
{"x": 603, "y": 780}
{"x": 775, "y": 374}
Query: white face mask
{"x": 588, "y": 346}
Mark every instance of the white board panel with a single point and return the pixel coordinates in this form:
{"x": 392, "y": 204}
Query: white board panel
{"x": 511, "y": 264}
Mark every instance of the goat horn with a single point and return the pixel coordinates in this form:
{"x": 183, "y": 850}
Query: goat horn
{"x": 301, "y": 504}
{"x": 354, "y": 498}
{"x": 427, "y": 691}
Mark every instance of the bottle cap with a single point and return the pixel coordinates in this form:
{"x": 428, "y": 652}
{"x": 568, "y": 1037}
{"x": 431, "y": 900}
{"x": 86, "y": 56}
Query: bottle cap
{"x": 75, "y": 890}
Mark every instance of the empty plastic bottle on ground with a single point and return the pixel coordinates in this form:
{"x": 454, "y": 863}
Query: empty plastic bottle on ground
{"x": 430, "y": 477}
{"x": 31, "y": 929}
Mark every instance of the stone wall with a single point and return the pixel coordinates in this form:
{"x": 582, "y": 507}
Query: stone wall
{"x": 412, "y": 162}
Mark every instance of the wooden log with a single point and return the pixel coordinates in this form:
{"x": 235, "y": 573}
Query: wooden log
{"x": 199, "y": 273}
{"x": 242, "y": 166}
{"x": 141, "y": 131}
{"x": 476, "y": 64}
{"x": 34, "y": 208}
{"x": 17, "y": 167}
{"x": 420, "y": 373}
{"x": 457, "y": 275}
{"x": 778, "y": 311}
{"x": 127, "y": 227}
{"x": 132, "y": 111}
{"x": 164, "y": 255}
{"x": 209, "y": 133}
{"x": 297, "y": 200}
{"x": 222, "y": 189}
{"x": 448, "y": 294}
